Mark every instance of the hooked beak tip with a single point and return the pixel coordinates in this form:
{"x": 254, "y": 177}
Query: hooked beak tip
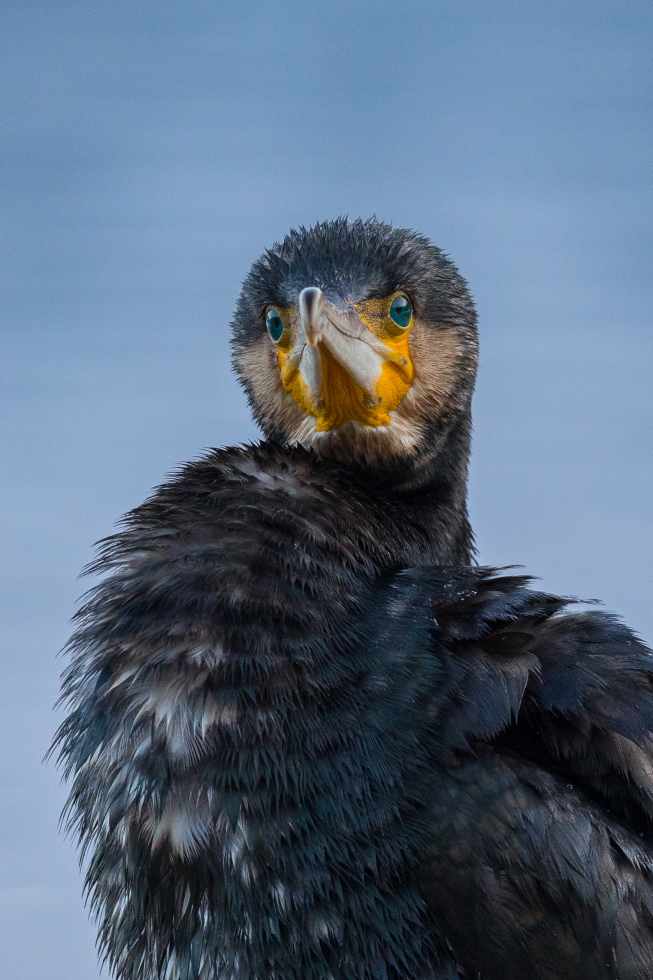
{"x": 310, "y": 309}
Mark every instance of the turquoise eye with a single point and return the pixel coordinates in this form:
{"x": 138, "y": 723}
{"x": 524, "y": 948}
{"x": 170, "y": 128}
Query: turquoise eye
{"x": 274, "y": 323}
{"x": 401, "y": 311}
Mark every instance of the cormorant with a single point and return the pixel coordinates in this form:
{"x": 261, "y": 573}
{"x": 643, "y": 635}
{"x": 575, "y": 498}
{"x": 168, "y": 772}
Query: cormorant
{"x": 310, "y": 740}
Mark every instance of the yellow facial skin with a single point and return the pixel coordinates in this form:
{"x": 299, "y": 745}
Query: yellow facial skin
{"x": 326, "y": 389}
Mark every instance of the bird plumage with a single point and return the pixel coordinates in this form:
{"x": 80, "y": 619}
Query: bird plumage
{"x": 308, "y": 739}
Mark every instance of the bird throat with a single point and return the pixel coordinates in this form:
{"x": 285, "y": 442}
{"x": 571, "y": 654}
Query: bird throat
{"x": 342, "y": 399}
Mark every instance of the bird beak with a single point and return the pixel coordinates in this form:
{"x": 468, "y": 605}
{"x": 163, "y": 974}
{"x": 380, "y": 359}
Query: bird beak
{"x": 337, "y": 365}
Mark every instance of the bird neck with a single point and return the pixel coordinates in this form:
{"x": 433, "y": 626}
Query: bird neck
{"x": 430, "y": 489}
{"x": 439, "y": 495}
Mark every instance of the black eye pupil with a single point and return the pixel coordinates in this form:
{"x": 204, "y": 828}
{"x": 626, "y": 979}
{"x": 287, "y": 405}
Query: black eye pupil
{"x": 274, "y": 323}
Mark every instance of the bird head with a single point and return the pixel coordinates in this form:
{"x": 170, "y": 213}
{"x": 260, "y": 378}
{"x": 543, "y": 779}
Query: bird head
{"x": 358, "y": 340}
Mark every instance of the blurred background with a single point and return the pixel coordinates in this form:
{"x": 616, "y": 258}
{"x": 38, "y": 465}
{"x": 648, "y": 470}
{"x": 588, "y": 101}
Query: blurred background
{"x": 153, "y": 149}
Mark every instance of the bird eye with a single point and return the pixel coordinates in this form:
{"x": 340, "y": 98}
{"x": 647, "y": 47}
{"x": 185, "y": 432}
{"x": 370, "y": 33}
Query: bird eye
{"x": 401, "y": 311}
{"x": 274, "y": 323}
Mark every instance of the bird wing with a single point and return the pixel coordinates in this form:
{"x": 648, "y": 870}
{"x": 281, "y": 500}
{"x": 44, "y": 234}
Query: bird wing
{"x": 539, "y": 853}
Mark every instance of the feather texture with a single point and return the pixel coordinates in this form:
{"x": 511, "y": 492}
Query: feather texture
{"x": 303, "y": 745}
{"x": 243, "y": 773}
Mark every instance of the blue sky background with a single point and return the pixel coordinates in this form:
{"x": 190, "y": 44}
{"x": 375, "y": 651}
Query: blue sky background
{"x": 151, "y": 150}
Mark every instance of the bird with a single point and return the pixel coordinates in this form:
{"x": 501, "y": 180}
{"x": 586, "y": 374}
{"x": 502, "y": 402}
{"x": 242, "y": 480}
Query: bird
{"x": 308, "y": 736}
